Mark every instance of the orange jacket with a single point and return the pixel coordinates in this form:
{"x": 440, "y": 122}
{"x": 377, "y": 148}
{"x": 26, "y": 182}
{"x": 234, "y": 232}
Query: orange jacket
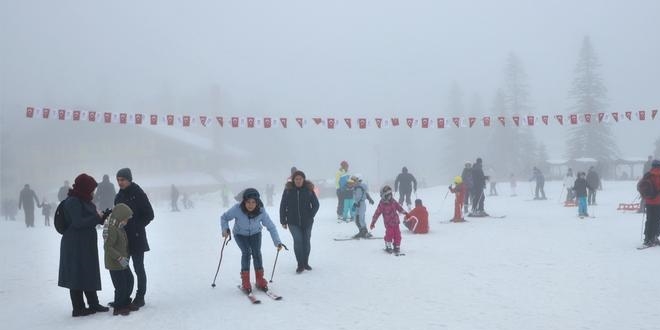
{"x": 422, "y": 215}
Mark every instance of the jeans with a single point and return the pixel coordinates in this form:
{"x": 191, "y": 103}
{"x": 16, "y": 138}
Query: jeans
{"x": 301, "y": 243}
{"x": 250, "y": 247}
{"x": 123, "y": 282}
{"x": 140, "y": 273}
{"x": 582, "y": 205}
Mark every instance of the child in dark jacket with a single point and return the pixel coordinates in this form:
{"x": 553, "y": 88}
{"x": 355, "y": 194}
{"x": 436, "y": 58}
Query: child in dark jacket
{"x": 116, "y": 258}
{"x": 580, "y": 189}
{"x": 390, "y": 210}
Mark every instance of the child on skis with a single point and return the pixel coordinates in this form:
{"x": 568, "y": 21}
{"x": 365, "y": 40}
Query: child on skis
{"x": 250, "y": 215}
{"x": 116, "y": 259}
{"x": 459, "y": 190}
{"x": 580, "y": 189}
{"x": 360, "y": 195}
{"x": 390, "y": 210}
{"x": 417, "y": 220}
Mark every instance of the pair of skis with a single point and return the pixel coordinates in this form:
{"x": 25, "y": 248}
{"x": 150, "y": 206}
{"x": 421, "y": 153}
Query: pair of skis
{"x": 253, "y": 298}
{"x": 356, "y": 238}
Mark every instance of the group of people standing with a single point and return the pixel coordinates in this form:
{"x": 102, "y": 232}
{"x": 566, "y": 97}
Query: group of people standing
{"x": 124, "y": 240}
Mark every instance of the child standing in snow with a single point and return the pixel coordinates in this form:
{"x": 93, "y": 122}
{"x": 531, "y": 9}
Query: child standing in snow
{"x": 580, "y": 189}
{"x": 116, "y": 258}
{"x": 250, "y": 215}
{"x": 390, "y": 210}
{"x": 458, "y": 189}
{"x": 360, "y": 196}
{"x": 417, "y": 220}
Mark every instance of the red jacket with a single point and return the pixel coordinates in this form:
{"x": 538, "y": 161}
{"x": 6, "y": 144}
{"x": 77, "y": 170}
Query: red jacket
{"x": 422, "y": 215}
{"x": 459, "y": 190}
{"x": 655, "y": 176}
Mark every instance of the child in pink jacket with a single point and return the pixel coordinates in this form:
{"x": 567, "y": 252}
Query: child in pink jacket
{"x": 390, "y": 210}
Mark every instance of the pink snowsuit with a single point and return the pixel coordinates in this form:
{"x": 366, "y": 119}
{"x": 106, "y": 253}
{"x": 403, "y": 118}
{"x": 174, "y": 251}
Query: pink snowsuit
{"x": 390, "y": 219}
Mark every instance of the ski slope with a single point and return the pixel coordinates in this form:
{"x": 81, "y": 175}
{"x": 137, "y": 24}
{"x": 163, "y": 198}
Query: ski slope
{"x": 541, "y": 267}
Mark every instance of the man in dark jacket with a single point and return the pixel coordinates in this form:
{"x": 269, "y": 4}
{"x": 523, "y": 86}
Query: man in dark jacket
{"x": 132, "y": 195}
{"x": 26, "y": 201}
{"x": 64, "y": 190}
{"x": 593, "y": 183}
{"x": 539, "y": 178}
{"x": 297, "y": 210}
{"x": 105, "y": 194}
{"x": 478, "y": 186}
{"x": 405, "y": 184}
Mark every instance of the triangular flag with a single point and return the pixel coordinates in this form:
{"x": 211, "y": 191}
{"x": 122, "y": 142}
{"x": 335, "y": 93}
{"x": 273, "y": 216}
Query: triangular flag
{"x": 502, "y": 120}
{"x": 642, "y": 115}
{"x": 516, "y": 120}
{"x": 268, "y": 123}
{"x": 425, "y": 123}
{"x": 395, "y": 122}
{"x": 544, "y": 119}
{"x": 250, "y": 122}
{"x": 574, "y": 119}
{"x": 107, "y": 117}
{"x": 300, "y": 121}
{"x": 653, "y": 113}
{"x": 138, "y": 118}
{"x": 379, "y": 122}
{"x": 29, "y": 112}
{"x": 283, "y": 121}
{"x": 317, "y": 120}
{"x": 234, "y": 122}
{"x": 410, "y": 122}
{"x": 615, "y": 115}
{"x": 45, "y": 112}
{"x": 61, "y": 114}
{"x": 587, "y": 117}
{"x": 560, "y": 119}
{"x": 362, "y": 123}
{"x": 331, "y": 123}
{"x": 348, "y": 122}
{"x": 457, "y": 121}
{"x": 486, "y": 121}
{"x": 170, "y": 120}
{"x": 601, "y": 115}
{"x": 629, "y": 115}
{"x": 153, "y": 119}
{"x": 471, "y": 121}
{"x": 123, "y": 118}
{"x": 441, "y": 123}
{"x": 530, "y": 120}
{"x": 202, "y": 120}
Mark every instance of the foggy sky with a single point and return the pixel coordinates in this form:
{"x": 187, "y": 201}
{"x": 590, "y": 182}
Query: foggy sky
{"x": 309, "y": 58}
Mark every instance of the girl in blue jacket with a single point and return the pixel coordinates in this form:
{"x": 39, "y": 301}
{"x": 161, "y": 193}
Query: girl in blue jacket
{"x": 250, "y": 216}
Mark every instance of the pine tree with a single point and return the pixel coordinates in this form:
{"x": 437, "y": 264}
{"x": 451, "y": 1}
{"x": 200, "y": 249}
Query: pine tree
{"x": 516, "y": 92}
{"x": 589, "y": 94}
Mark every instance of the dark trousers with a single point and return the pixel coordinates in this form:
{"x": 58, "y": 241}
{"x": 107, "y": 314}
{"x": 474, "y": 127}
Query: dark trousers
{"x": 250, "y": 247}
{"x": 175, "y": 204}
{"x": 340, "y": 203}
{"x": 77, "y": 299}
{"x": 122, "y": 280}
{"x": 478, "y": 197}
{"x": 591, "y": 196}
{"x": 29, "y": 217}
{"x": 405, "y": 194}
{"x": 140, "y": 273}
{"x": 539, "y": 189}
{"x": 652, "y": 226}
{"x": 301, "y": 243}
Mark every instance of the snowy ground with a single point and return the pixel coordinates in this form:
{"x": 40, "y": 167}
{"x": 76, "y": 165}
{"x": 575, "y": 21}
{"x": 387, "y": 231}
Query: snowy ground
{"x": 539, "y": 268}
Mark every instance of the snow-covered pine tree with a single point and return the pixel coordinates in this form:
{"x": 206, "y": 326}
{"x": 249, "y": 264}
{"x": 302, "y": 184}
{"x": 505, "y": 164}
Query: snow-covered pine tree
{"x": 589, "y": 95}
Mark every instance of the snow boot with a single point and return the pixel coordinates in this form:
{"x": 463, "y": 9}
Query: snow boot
{"x": 396, "y": 250}
{"x": 245, "y": 281}
{"x": 261, "y": 282}
{"x": 138, "y": 301}
{"x": 388, "y": 247}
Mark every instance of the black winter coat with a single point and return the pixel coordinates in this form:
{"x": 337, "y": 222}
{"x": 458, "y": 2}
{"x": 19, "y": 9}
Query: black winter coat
{"x": 580, "y": 187}
{"x": 405, "y": 182}
{"x": 298, "y": 205}
{"x": 593, "y": 180}
{"x": 143, "y": 213}
{"x": 478, "y": 178}
{"x": 79, "y": 255}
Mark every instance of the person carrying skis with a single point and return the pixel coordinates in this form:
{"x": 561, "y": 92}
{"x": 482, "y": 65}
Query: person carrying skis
{"x": 459, "y": 190}
{"x": 390, "y": 210}
{"x": 405, "y": 184}
{"x": 417, "y": 220}
{"x": 250, "y": 216}
{"x": 360, "y": 195}
{"x": 580, "y": 189}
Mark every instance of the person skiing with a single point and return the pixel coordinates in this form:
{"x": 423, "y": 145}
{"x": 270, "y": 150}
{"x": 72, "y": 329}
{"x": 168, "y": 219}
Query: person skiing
{"x": 343, "y": 170}
{"x": 478, "y": 186}
{"x": 459, "y": 190}
{"x": 405, "y": 184}
{"x": 390, "y": 210}
{"x": 417, "y": 220}
{"x": 360, "y": 195}
{"x": 250, "y": 216}
{"x": 466, "y": 176}
{"x": 580, "y": 187}
{"x": 538, "y": 177}
{"x": 569, "y": 180}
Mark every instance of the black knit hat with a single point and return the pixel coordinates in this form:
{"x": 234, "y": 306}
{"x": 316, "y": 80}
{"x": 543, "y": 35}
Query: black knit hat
{"x": 251, "y": 193}
{"x": 125, "y": 173}
{"x": 298, "y": 173}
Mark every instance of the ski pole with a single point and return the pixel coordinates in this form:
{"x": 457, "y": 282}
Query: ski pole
{"x": 224, "y": 243}
{"x": 275, "y": 264}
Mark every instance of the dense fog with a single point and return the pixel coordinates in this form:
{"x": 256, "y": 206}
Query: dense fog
{"x": 309, "y": 59}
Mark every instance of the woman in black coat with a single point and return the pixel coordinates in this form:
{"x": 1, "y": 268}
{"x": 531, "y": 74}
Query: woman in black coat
{"x": 297, "y": 210}
{"x": 79, "y": 256}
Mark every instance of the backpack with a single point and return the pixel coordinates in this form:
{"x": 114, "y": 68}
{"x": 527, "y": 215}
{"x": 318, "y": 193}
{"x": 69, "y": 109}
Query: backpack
{"x": 646, "y": 187}
{"x": 59, "y": 220}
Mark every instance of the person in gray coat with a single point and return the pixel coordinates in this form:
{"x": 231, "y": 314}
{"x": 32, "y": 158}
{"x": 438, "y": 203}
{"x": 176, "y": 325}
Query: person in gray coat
{"x": 79, "y": 257}
{"x": 27, "y": 201}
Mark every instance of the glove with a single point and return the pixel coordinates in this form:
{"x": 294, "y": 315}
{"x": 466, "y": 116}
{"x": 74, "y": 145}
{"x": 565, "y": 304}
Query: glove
{"x": 123, "y": 261}
{"x": 449, "y": 187}
{"x": 371, "y": 201}
{"x": 279, "y": 246}
{"x": 106, "y": 213}
{"x": 372, "y": 226}
{"x": 356, "y": 205}
{"x": 225, "y": 233}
